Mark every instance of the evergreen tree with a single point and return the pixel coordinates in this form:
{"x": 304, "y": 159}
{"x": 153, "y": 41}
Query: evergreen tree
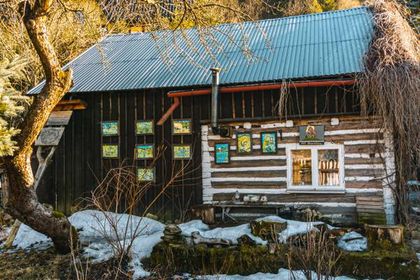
{"x": 11, "y": 103}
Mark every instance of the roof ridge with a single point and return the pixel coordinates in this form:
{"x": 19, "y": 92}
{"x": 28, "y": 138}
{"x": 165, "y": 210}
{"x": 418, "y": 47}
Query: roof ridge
{"x": 245, "y": 22}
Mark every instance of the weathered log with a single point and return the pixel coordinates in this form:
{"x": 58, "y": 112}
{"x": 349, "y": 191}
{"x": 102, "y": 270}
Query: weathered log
{"x": 384, "y": 236}
{"x": 267, "y": 230}
{"x": 198, "y": 239}
{"x": 204, "y": 212}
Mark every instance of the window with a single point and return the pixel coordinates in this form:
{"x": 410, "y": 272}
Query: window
{"x": 317, "y": 167}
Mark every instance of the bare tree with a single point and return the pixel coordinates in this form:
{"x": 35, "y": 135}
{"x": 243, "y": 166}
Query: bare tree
{"x": 21, "y": 200}
{"x": 20, "y": 195}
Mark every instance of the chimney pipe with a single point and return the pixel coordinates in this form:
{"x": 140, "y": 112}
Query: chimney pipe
{"x": 215, "y": 99}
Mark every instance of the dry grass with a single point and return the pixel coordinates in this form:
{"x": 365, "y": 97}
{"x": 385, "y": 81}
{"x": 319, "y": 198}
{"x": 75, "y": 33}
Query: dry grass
{"x": 390, "y": 88}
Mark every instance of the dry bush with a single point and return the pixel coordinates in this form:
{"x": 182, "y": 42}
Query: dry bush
{"x": 390, "y": 88}
{"x": 315, "y": 254}
{"x": 121, "y": 192}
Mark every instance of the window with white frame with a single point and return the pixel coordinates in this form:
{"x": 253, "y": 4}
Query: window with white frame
{"x": 312, "y": 167}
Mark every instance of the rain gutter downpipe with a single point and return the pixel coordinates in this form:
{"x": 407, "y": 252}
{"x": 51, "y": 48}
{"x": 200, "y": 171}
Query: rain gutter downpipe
{"x": 244, "y": 88}
{"x": 215, "y": 100}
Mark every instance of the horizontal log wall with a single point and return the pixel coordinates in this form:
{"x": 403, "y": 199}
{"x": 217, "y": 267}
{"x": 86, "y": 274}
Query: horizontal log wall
{"x": 365, "y": 158}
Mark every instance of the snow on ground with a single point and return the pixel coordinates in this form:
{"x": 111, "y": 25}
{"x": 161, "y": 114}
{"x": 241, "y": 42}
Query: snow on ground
{"x": 95, "y": 228}
{"x": 353, "y": 241}
{"x": 283, "y": 274}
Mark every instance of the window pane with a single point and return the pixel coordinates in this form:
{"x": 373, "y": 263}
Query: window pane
{"x": 302, "y": 167}
{"x": 328, "y": 167}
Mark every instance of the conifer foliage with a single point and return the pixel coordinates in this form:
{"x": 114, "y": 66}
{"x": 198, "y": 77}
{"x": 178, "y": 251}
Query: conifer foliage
{"x": 11, "y": 103}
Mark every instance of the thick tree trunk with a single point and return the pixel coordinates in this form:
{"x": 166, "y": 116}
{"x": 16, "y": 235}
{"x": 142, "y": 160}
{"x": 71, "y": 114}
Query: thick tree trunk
{"x": 22, "y": 202}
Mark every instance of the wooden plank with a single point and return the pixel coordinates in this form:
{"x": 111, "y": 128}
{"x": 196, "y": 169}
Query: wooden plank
{"x": 362, "y": 185}
{"x": 373, "y": 160}
{"x": 59, "y": 118}
{"x": 369, "y": 148}
{"x": 250, "y": 185}
{"x": 364, "y": 172}
{"x": 71, "y": 105}
{"x": 292, "y": 198}
{"x": 254, "y": 174}
{"x": 254, "y": 163}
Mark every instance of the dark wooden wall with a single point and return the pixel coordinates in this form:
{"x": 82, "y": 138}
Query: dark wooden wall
{"x": 78, "y": 165}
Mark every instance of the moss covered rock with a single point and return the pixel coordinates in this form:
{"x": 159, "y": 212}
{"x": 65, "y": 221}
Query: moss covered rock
{"x": 172, "y": 259}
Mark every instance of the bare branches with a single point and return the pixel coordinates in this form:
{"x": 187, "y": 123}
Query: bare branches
{"x": 390, "y": 88}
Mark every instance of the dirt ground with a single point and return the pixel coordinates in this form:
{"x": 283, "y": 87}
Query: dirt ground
{"x": 47, "y": 265}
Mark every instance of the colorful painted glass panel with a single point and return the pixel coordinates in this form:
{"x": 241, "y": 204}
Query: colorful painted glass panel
{"x": 221, "y": 151}
{"x": 269, "y": 142}
{"x": 182, "y": 151}
{"x": 109, "y": 151}
{"x": 144, "y": 151}
{"x": 244, "y": 143}
{"x": 110, "y": 128}
{"x": 144, "y": 128}
{"x": 146, "y": 174}
{"x": 181, "y": 127}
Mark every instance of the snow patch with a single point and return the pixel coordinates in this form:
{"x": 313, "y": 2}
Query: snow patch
{"x": 27, "y": 238}
{"x": 293, "y": 227}
{"x": 283, "y": 274}
{"x": 92, "y": 225}
{"x": 353, "y": 241}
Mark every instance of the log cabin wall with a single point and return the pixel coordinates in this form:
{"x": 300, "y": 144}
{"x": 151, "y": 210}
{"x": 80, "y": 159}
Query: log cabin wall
{"x": 363, "y": 194}
{"x": 78, "y": 166}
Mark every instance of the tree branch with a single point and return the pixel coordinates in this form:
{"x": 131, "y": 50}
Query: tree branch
{"x": 57, "y": 83}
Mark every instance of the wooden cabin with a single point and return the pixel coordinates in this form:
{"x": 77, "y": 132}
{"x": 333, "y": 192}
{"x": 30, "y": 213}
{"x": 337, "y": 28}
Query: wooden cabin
{"x": 274, "y": 126}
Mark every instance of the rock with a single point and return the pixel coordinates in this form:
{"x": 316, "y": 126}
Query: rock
{"x": 198, "y": 239}
{"x": 267, "y": 230}
{"x": 152, "y": 216}
{"x": 353, "y": 242}
{"x": 246, "y": 240}
{"x": 172, "y": 234}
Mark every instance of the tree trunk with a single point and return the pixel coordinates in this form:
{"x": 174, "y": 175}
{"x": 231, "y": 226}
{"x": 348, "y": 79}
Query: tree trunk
{"x": 22, "y": 202}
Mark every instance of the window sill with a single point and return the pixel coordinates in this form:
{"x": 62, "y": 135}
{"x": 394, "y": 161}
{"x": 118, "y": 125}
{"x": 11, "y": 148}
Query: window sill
{"x": 315, "y": 190}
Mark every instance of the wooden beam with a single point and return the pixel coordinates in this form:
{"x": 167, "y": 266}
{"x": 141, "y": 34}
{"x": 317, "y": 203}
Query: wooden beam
{"x": 71, "y": 105}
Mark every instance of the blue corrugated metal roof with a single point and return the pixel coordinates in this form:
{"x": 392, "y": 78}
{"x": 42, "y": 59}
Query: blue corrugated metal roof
{"x": 307, "y": 46}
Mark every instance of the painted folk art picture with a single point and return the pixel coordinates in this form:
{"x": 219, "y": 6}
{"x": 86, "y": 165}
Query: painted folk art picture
{"x": 146, "y": 174}
{"x": 244, "y": 142}
{"x": 180, "y": 127}
{"x": 145, "y": 128}
{"x": 144, "y": 151}
{"x": 221, "y": 153}
{"x": 269, "y": 142}
{"x": 110, "y": 128}
{"x": 109, "y": 151}
{"x": 311, "y": 134}
{"x": 182, "y": 151}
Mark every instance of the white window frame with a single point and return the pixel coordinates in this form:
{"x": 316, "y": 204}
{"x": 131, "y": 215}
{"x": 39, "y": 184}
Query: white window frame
{"x": 315, "y": 172}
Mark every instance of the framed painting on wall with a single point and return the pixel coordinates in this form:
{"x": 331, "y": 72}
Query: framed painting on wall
{"x": 269, "y": 142}
{"x": 311, "y": 134}
{"x": 244, "y": 142}
{"x": 110, "y": 128}
{"x": 221, "y": 153}
{"x": 110, "y": 151}
{"x": 180, "y": 127}
{"x": 145, "y": 174}
{"x": 144, "y": 151}
{"x": 145, "y": 128}
{"x": 182, "y": 151}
